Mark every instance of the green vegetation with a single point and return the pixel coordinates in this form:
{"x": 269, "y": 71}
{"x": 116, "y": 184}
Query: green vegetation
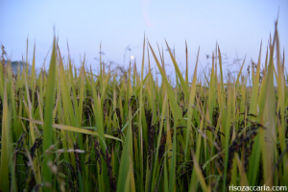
{"x": 69, "y": 129}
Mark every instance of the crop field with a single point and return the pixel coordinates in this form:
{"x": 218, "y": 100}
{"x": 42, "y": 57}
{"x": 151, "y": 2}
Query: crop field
{"x": 69, "y": 129}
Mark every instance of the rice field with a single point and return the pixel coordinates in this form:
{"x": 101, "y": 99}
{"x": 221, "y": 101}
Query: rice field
{"x": 69, "y": 129}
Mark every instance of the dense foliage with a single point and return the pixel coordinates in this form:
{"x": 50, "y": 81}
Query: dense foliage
{"x": 68, "y": 129}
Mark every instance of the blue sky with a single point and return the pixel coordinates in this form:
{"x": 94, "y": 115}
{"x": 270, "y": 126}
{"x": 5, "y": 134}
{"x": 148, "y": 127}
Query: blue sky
{"x": 237, "y": 25}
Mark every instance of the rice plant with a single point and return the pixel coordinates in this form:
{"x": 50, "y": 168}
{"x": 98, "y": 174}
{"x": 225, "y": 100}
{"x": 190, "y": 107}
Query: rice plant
{"x": 70, "y": 129}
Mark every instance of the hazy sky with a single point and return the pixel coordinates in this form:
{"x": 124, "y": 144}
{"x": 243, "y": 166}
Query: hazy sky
{"x": 237, "y": 25}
